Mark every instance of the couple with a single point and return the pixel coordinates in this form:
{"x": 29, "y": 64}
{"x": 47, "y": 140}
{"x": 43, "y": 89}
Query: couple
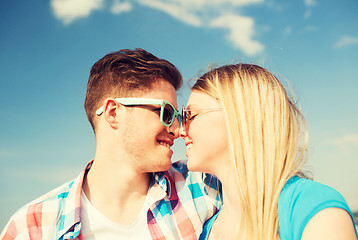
{"x": 239, "y": 125}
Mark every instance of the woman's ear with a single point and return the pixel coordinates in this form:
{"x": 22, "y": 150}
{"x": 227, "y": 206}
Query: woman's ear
{"x": 111, "y": 113}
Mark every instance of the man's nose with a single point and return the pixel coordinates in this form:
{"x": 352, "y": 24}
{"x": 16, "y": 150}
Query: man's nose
{"x": 174, "y": 128}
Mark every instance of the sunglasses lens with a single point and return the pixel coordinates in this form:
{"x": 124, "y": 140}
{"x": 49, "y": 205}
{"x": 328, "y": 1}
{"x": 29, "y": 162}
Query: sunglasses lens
{"x": 168, "y": 113}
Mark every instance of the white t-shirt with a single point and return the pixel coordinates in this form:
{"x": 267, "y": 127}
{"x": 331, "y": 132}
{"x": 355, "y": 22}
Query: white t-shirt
{"x": 96, "y": 226}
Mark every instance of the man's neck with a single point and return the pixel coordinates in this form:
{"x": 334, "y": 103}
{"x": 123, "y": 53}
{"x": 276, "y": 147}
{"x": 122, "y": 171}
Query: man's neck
{"x": 116, "y": 190}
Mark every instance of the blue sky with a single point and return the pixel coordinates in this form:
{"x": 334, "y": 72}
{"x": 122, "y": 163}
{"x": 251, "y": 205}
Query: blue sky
{"x": 48, "y": 47}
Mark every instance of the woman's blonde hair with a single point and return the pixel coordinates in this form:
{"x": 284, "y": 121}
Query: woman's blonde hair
{"x": 267, "y": 140}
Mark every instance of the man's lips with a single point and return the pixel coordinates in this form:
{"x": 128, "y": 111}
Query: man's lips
{"x": 165, "y": 142}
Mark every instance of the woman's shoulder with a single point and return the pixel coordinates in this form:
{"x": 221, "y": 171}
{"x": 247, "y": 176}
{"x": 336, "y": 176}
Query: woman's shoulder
{"x": 300, "y": 200}
{"x": 303, "y": 189}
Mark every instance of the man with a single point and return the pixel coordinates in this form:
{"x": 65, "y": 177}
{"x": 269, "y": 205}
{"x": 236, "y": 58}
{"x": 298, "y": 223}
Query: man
{"x": 129, "y": 190}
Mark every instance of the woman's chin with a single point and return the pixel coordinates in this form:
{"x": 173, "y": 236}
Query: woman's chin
{"x": 193, "y": 166}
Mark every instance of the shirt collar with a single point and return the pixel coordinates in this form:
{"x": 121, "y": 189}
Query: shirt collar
{"x": 159, "y": 188}
{"x": 69, "y": 226}
{"x": 69, "y": 222}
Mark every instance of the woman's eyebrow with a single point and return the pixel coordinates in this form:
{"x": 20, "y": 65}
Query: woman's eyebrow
{"x": 191, "y": 106}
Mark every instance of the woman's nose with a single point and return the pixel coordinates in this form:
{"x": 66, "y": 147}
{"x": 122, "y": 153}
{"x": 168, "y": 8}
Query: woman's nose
{"x": 182, "y": 132}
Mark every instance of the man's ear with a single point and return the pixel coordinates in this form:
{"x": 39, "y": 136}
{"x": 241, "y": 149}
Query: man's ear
{"x": 111, "y": 113}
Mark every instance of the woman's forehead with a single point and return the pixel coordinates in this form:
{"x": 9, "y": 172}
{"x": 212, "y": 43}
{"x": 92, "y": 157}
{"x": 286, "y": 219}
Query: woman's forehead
{"x": 201, "y": 100}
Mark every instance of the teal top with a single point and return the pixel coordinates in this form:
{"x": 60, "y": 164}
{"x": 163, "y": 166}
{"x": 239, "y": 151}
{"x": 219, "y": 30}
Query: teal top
{"x": 299, "y": 201}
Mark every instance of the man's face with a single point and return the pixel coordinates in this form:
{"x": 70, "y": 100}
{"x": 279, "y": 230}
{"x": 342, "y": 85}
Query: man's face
{"x": 144, "y": 137}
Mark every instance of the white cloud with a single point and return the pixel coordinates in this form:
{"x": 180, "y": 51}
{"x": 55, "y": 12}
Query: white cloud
{"x": 241, "y": 32}
{"x": 275, "y": 6}
{"x": 201, "y": 13}
{"x": 11, "y": 153}
{"x": 346, "y": 140}
{"x": 176, "y": 10}
{"x": 346, "y": 41}
{"x": 234, "y": 2}
{"x": 310, "y": 3}
{"x": 307, "y": 14}
{"x": 207, "y": 4}
{"x": 4, "y": 153}
{"x": 198, "y": 13}
{"x": 119, "y": 7}
{"x": 287, "y": 31}
{"x": 310, "y": 28}
{"x": 69, "y": 10}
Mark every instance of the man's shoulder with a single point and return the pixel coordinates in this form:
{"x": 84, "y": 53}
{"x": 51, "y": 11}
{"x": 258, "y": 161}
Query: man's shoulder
{"x": 43, "y": 211}
{"x": 55, "y": 194}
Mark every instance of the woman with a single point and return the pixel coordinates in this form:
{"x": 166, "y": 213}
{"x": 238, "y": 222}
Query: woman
{"x": 241, "y": 126}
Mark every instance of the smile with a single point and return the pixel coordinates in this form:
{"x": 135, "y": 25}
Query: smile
{"x": 164, "y": 144}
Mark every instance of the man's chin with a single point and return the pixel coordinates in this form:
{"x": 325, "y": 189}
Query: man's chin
{"x": 161, "y": 168}
{"x": 166, "y": 166}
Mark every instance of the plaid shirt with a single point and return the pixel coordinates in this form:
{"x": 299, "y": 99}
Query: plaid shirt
{"x": 179, "y": 206}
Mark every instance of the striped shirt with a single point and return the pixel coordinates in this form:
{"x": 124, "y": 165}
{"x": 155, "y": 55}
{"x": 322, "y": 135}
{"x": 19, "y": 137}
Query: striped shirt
{"x": 180, "y": 203}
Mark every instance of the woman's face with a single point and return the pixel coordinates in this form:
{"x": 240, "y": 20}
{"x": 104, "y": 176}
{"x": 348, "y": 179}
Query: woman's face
{"x": 205, "y": 134}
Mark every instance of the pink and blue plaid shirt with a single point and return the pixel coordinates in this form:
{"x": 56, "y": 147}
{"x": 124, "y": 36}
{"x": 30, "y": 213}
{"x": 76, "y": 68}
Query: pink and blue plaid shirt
{"x": 180, "y": 203}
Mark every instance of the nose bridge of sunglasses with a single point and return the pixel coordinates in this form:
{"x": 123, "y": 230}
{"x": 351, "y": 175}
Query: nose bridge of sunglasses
{"x": 184, "y": 117}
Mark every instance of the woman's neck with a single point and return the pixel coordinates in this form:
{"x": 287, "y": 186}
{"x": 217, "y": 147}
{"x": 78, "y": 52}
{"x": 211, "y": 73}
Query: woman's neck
{"x": 229, "y": 217}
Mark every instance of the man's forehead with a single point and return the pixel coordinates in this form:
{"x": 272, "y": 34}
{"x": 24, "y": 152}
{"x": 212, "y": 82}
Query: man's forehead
{"x": 160, "y": 89}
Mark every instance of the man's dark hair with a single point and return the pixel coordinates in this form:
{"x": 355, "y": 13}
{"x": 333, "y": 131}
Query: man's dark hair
{"x": 124, "y": 73}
